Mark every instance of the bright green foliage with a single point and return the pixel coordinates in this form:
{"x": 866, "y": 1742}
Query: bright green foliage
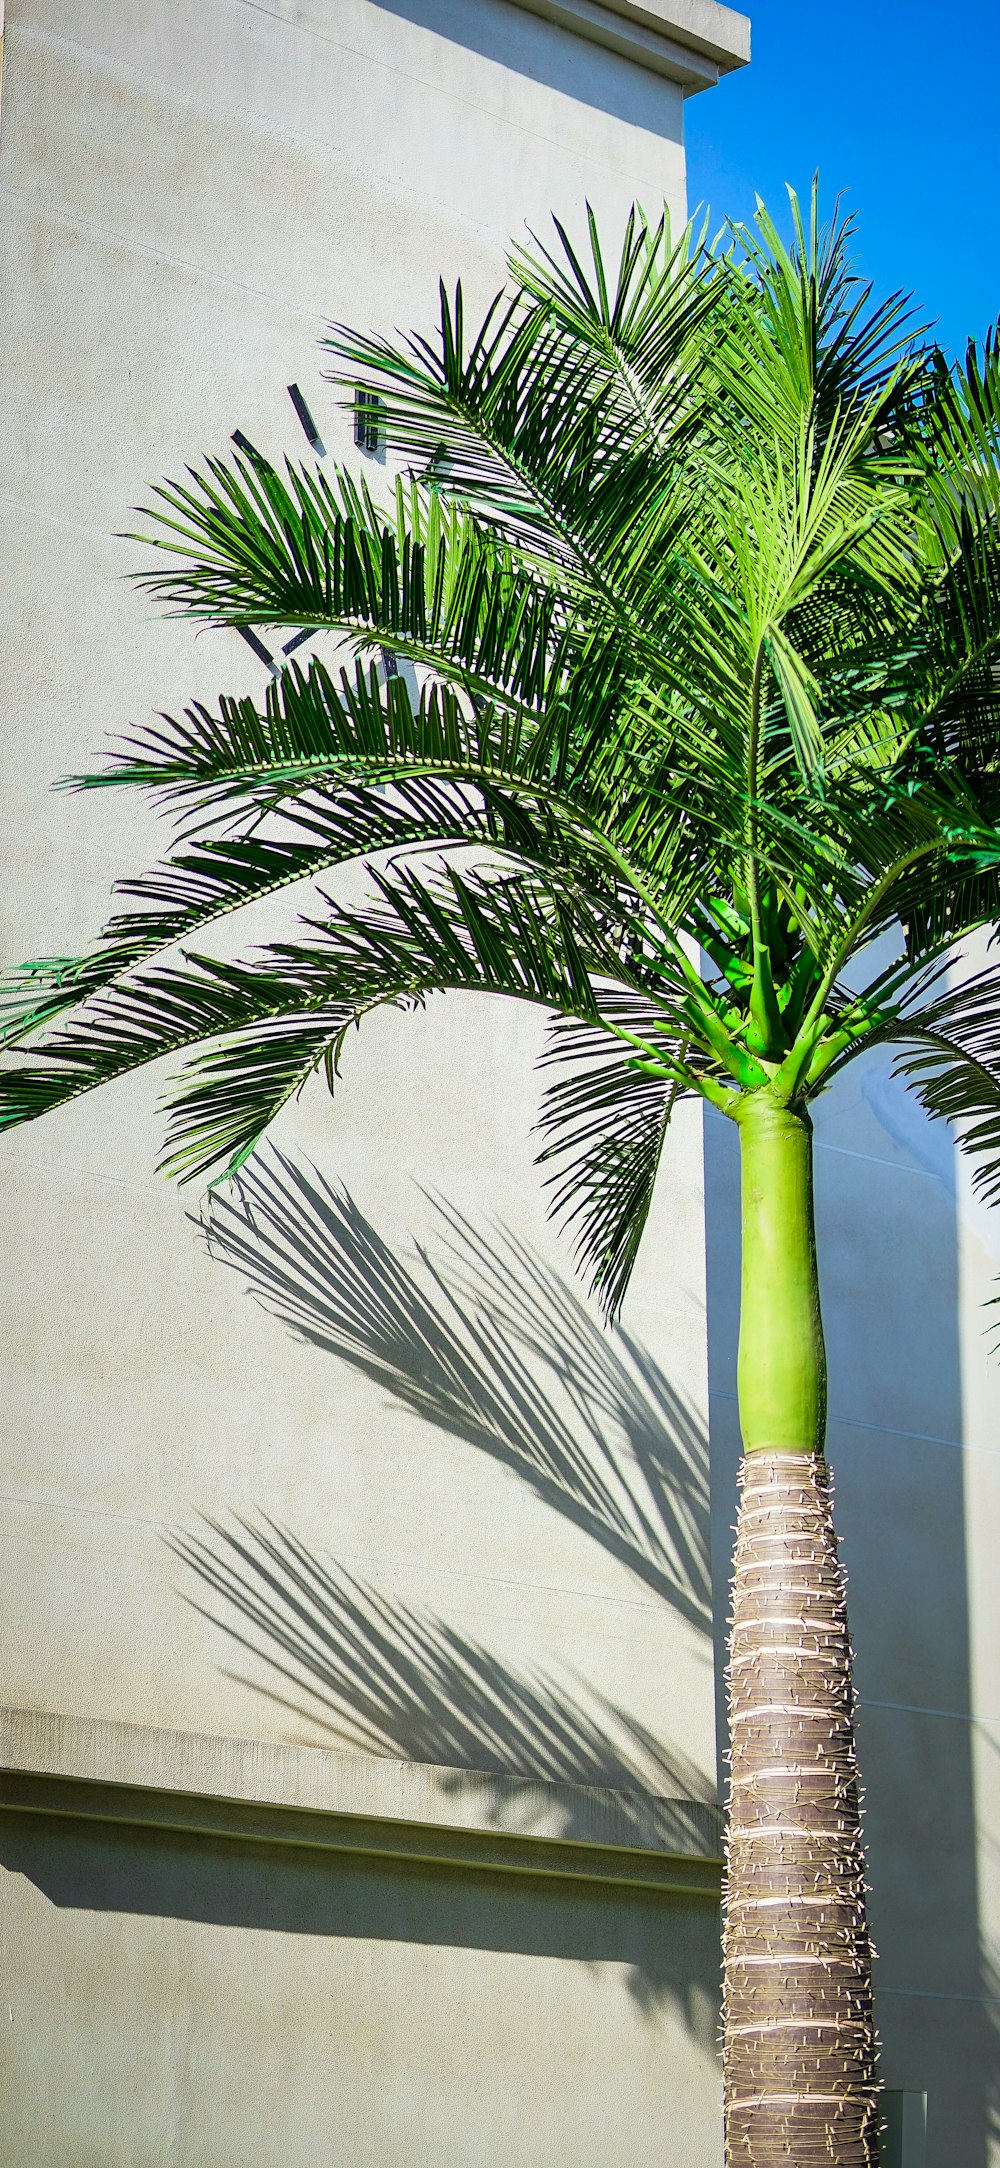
{"x": 696, "y": 559}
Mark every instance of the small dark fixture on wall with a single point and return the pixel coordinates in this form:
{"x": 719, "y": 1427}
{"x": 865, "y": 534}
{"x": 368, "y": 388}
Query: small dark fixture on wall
{"x": 904, "y": 2130}
{"x": 367, "y": 420}
{"x": 263, "y": 653}
{"x": 308, "y": 425}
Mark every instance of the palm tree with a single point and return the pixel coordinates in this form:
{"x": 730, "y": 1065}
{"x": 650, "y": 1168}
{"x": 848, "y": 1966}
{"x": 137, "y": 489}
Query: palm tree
{"x": 694, "y": 556}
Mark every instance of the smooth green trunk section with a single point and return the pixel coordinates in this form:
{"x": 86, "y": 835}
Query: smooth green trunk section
{"x": 782, "y": 1359}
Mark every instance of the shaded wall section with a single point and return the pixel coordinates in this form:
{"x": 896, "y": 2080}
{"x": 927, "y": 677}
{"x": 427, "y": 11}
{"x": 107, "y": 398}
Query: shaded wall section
{"x": 252, "y": 2004}
{"x": 230, "y": 1951}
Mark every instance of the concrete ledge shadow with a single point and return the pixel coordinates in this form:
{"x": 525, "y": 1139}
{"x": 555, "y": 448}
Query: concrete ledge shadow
{"x": 439, "y": 1874}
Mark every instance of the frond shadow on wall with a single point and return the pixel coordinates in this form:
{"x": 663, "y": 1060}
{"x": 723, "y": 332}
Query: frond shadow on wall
{"x": 484, "y": 1340}
{"x": 376, "y": 1676}
{"x": 381, "y": 1677}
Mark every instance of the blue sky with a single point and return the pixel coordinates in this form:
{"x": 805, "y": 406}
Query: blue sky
{"x": 897, "y": 103}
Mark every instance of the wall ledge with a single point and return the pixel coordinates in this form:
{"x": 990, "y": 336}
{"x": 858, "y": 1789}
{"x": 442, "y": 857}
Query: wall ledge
{"x": 88, "y": 1768}
{"x": 692, "y": 42}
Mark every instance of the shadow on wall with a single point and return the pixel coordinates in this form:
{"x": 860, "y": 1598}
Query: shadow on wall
{"x": 666, "y": 1944}
{"x": 542, "y": 51}
{"x": 380, "y": 1678}
{"x": 487, "y": 1342}
{"x": 484, "y": 1340}
{"x": 990, "y": 1976}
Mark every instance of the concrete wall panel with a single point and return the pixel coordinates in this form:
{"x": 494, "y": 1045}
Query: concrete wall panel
{"x": 249, "y": 2006}
{"x": 492, "y": 1516}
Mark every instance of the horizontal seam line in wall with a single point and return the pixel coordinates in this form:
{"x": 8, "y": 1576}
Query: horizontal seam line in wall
{"x": 916, "y": 1708}
{"x": 69, "y": 1505}
{"x": 935, "y": 1994}
{"x": 870, "y": 1159}
{"x": 455, "y": 98}
{"x": 469, "y": 105}
{"x": 55, "y": 519}
{"x": 889, "y": 1430}
{"x": 131, "y": 245}
{"x": 156, "y": 1190}
{"x": 875, "y": 1159}
{"x": 161, "y": 1191}
{"x": 358, "y": 1558}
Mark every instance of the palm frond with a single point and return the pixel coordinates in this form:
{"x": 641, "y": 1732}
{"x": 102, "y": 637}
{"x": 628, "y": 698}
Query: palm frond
{"x": 643, "y": 323}
{"x": 269, "y": 1025}
{"x": 314, "y": 733}
{"x": 503, "y": 935}
{"x": 524, "y": 423}
{"x": 290, "y": 1020}
{"x": 605, "y": 1120}
{"x": 198, "y": 887}
{"x": 804, "y": 337}
{"x": 307, "y": 548}
{"x": 951, "y": 1061}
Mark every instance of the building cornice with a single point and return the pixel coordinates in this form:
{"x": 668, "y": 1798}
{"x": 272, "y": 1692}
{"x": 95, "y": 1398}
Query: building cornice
{"x": 691, "y": 42}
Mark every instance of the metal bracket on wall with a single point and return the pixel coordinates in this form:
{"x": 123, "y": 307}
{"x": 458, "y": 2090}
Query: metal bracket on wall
{"x": 904, "y": 2130}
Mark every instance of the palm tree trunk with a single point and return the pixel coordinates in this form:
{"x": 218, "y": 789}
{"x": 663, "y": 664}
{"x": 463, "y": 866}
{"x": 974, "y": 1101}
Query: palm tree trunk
{"x": 801, "y": 2075}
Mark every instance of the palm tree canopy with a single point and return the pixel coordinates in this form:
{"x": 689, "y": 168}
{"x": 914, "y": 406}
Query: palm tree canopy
{"x": 695, "y": 555}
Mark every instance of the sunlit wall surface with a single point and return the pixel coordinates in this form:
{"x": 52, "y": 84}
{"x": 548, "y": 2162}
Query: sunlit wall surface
{"x": 364, "y": 1578}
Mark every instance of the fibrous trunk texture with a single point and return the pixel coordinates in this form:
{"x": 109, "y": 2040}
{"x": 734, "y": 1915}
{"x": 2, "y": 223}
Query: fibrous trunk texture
{"x": 801, "y": 2066}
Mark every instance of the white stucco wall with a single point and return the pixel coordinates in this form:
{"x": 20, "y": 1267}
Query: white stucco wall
{"x": 192, "y": 196}
{"x": 508, "y": 1574}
